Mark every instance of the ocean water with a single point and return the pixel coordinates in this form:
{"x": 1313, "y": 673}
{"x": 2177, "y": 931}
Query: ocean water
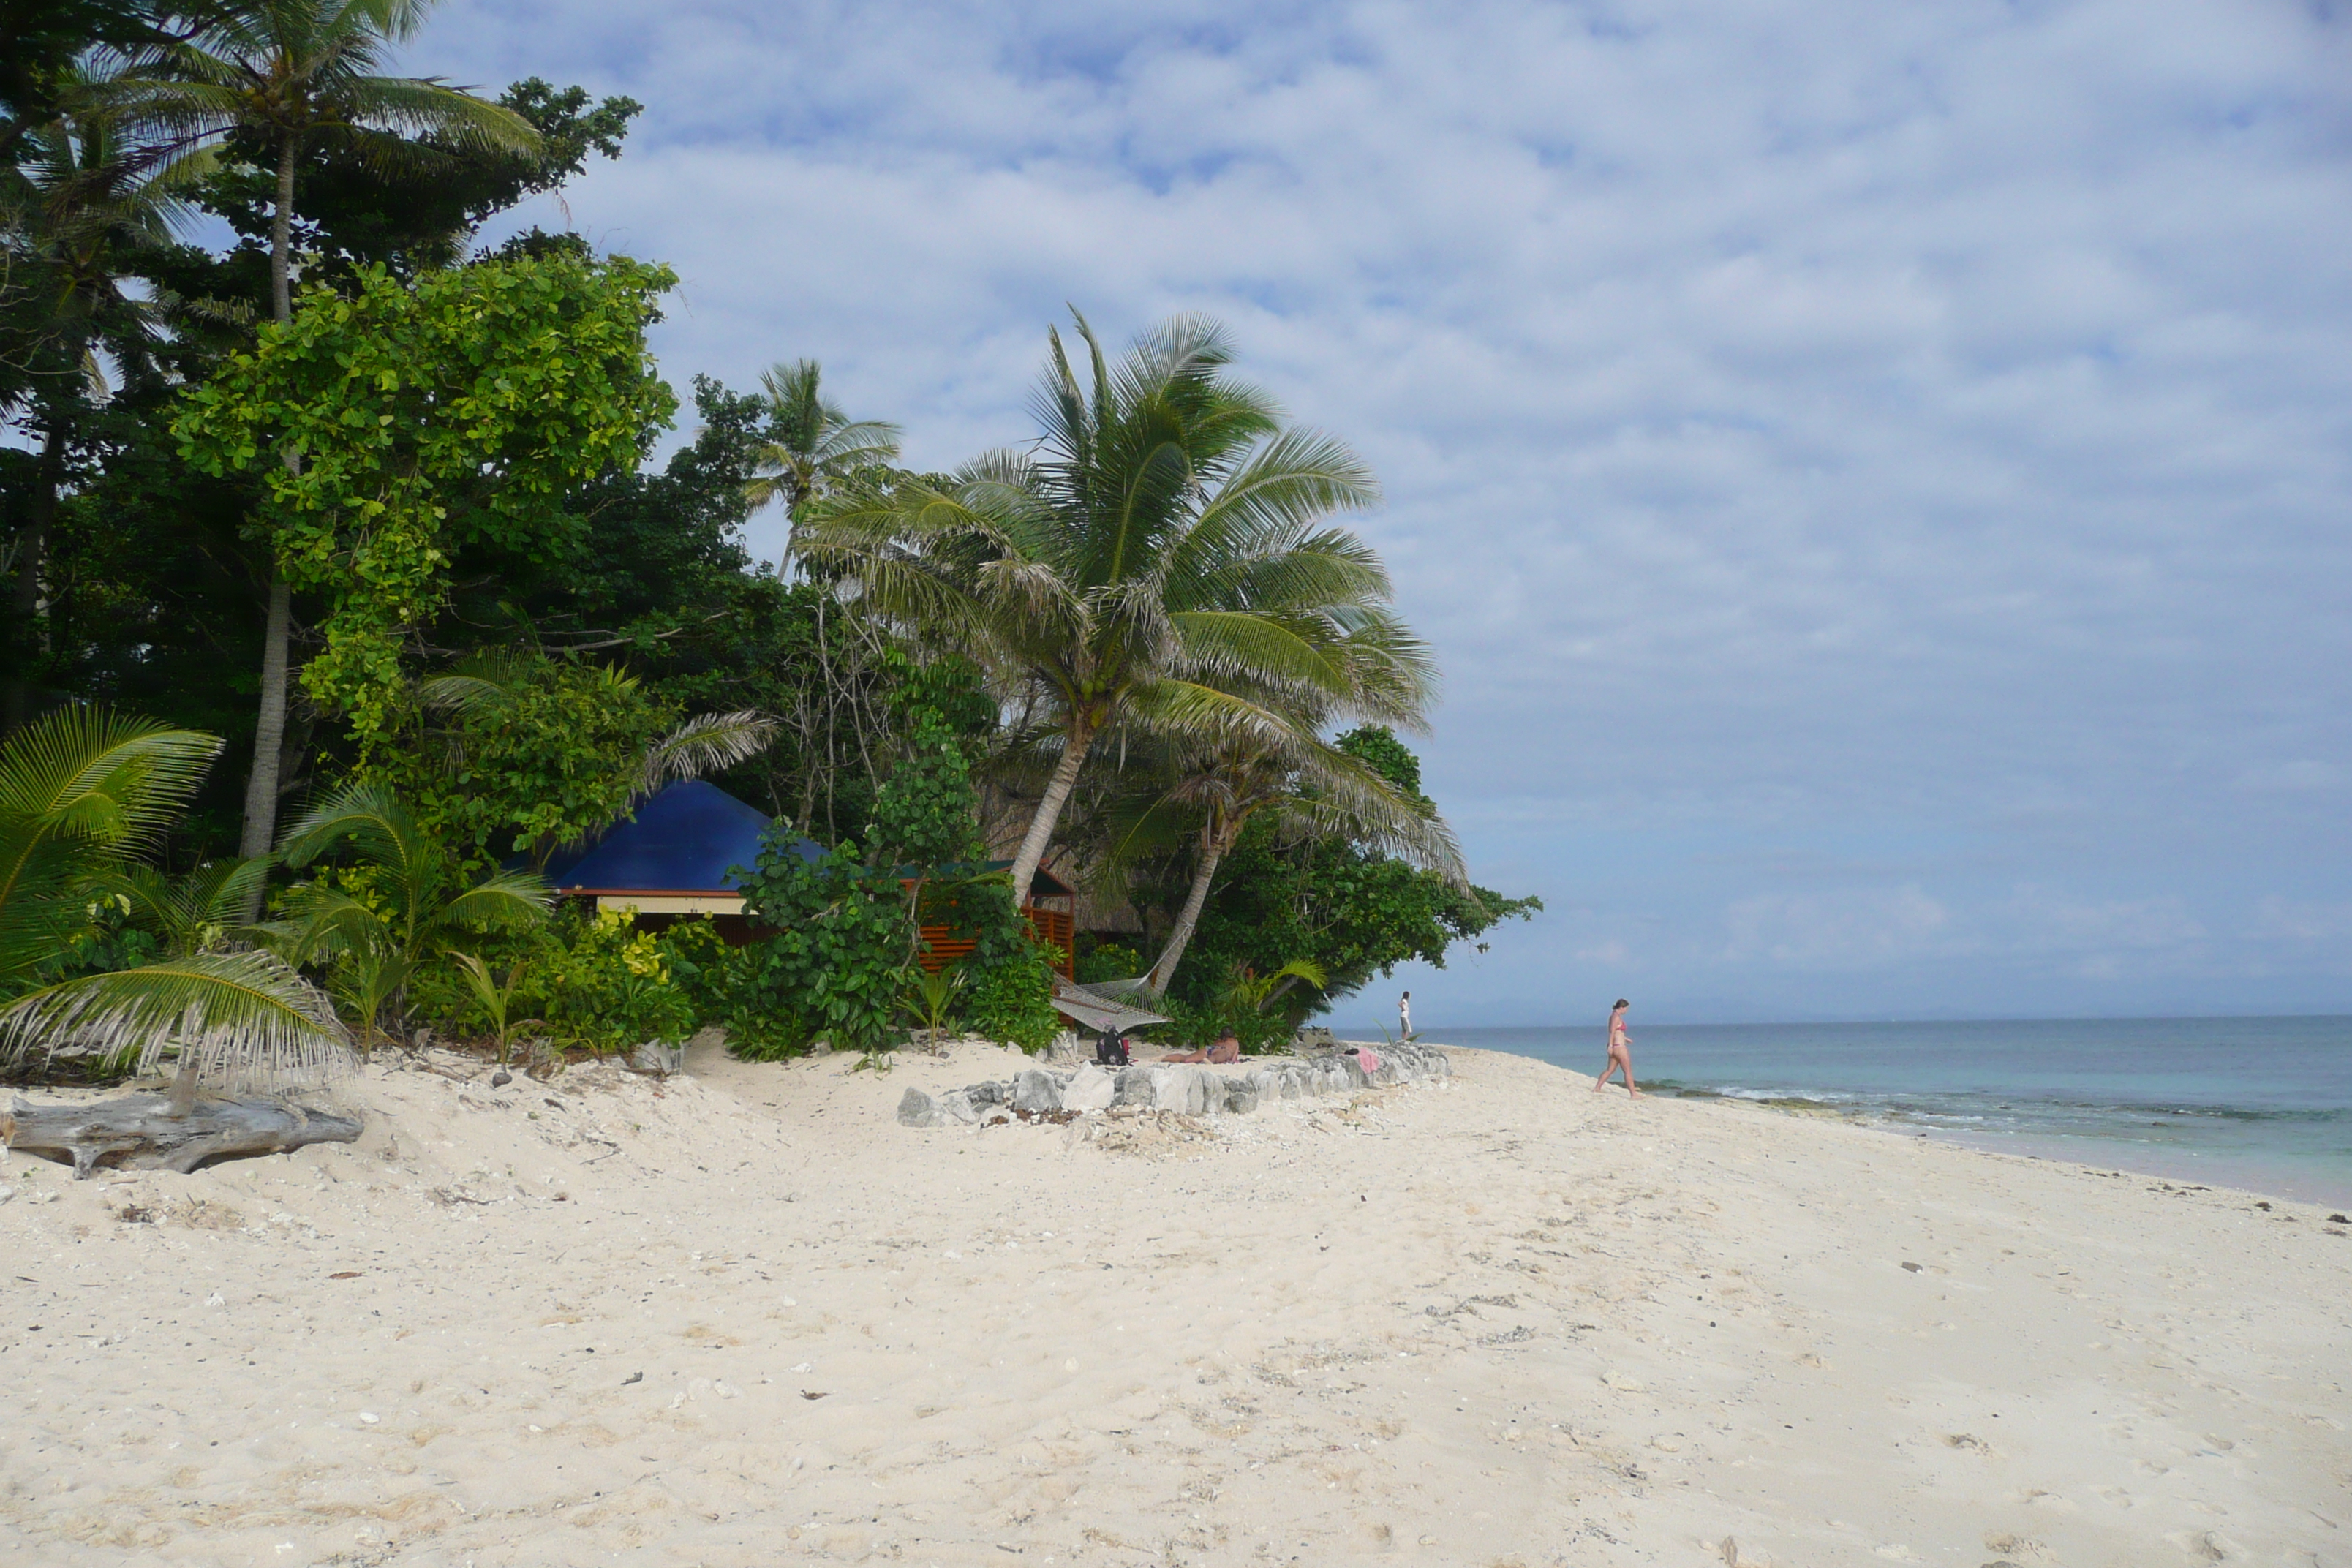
{"x": 2260, "y": 1103}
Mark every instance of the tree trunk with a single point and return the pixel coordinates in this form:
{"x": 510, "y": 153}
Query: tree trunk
{"x": 141, "y": 1133}
{"x": 28, "y": 621}
{"x": 281, "y": 236}
{"x": 269, "y": 733}
{"x": 260, "y": 830}
{"x": 1215, "y": 842}
{"x": 1049, "y": 810}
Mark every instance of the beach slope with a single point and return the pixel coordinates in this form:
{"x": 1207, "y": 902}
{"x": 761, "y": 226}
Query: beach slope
{"x": 745, "y": 1317}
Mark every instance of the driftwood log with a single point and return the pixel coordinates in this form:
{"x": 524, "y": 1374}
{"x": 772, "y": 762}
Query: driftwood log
{"x": 139, "y": 1133}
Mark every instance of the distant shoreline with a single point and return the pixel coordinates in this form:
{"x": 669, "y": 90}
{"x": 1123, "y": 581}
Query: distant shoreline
{"x": 2263, "y": 1104}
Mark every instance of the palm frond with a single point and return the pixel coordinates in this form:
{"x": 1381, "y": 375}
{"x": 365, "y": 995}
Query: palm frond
{"x": 369, "y": 814}
{"x": 708, "y": 743}
{"x": 509, "y": 900}
{"x": 245, "y": 1020}
{"x": 1261, "y": 649}
{"x": 102, "y": 776}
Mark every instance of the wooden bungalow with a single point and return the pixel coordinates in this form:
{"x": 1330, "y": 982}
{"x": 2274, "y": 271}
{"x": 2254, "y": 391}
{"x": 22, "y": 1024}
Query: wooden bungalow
{"x": 676, "y": 862}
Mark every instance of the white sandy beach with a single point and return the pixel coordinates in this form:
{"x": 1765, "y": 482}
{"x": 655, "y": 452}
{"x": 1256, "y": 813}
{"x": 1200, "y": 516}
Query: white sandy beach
{"x": 745, "y": 1317}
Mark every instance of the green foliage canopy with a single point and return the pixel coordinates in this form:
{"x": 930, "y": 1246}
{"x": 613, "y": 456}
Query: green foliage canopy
{"x": 537, "y": 751}
{"x": 423, "y": 418}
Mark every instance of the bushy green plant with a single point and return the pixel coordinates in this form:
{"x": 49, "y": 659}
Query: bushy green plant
{"x": 723, "y": 985}
{"x": 837, "y": 963}
{"x": 1108, "y": 960}
{"x": 1193, "y": 1024}
{"x": 1010, "y": 997}
{"x": 608, "y": 986}
{"x": 931, "y": 998}
{"x": 543, "y": 362}
{"x": 704, "y": 968}
{"x": 519, "y": 752}
{"x": 393, "y": 909}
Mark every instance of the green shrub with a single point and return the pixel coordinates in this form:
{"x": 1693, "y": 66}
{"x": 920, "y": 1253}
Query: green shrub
{"x": 838, "y": 965}
{"x": 1108, "y": 960}
{"x": 704, "y": 967}
{"x": 606, "y": 985}
{"x": 1010, "y": 998}
{"x": 1193, "y": 1024}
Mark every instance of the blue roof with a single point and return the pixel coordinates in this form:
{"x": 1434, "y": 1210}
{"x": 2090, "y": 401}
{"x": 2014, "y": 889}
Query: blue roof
{"x": 685, "y": 839}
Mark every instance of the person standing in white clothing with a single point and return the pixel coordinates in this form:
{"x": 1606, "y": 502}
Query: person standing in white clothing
{"x": 1404, "y": 1017}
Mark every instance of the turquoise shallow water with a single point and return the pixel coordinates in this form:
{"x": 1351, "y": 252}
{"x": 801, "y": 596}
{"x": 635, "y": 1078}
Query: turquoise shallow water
{"x": 2260, "y": 1103}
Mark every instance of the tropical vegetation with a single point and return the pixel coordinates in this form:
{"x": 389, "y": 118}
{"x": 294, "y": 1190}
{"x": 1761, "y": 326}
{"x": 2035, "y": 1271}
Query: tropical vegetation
{"x": 346, "y": 599}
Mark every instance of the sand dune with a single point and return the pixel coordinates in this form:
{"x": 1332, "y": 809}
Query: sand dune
{"x": 744, "y": 1317}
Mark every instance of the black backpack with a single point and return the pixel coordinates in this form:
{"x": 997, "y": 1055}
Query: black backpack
{"x": 1110, "y": 1048}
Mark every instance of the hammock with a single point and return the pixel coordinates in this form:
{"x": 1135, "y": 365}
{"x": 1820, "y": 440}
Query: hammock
{"x": 1093, "y": 1007}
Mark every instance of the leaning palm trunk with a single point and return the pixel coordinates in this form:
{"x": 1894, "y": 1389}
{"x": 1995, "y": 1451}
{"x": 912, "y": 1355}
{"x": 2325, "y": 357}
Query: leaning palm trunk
{"x": 1049, "y": 811}
{"x": 1216, "y": 840}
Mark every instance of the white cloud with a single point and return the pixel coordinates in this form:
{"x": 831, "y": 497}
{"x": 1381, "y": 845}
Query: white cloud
{"x": 2306, "y": 776}
{"x": 1916, "y": 436}
{"x": 1858, "y": 929}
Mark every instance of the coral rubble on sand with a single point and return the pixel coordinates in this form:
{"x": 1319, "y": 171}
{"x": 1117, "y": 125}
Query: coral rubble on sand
{"x": 1177, "y": 1087}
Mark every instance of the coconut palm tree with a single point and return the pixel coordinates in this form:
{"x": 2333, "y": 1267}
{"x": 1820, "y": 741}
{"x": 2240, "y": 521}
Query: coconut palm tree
{"x": 81, "y": 205}
{"x": 83, "y": 793}
{"x": 813, "y": 445}
{"x": 412, "y": 907}
{"x": 1311, "y": 785}
{"x": 294, "y": 76}
{"x": 198, "y": 912}
{"x": 1164, "y": 543}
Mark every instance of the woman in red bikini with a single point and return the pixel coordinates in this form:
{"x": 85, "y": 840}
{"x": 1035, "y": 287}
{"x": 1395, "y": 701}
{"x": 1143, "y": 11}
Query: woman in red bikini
{"x": 1620, "y": 1050}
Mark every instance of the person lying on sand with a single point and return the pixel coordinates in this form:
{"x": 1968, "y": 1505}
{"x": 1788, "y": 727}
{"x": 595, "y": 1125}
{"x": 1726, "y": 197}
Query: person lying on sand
{"x": 1224, "y": 1053}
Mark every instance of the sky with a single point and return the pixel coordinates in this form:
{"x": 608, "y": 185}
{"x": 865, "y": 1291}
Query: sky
{"x": 1874, "y": 474}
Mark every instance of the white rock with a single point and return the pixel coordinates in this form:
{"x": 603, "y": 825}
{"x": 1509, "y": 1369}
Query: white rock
{"x": 1091, "y": 1088}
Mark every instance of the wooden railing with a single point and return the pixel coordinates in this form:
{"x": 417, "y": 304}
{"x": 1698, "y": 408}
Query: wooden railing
{"x": 1053, "y": 927}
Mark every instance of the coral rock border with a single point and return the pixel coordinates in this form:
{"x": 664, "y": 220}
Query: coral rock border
{"x": 1160, "y": 1086}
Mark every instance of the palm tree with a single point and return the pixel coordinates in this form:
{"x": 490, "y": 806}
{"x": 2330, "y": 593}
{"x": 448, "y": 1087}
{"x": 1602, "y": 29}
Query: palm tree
{"x": 295, "y": 76}
{"x": 813, "y": 445}
{"x": 1164, "y": 543}
{"x": 83, "y": 793}
{"x": 1313, "y": 786}
{"x": 413, "y": 908}
{"x": 1247, "y": 990}
{"x": 82, "y": 205}
{"x": 196, "y": 913}
{"x": 494, "y": 996}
